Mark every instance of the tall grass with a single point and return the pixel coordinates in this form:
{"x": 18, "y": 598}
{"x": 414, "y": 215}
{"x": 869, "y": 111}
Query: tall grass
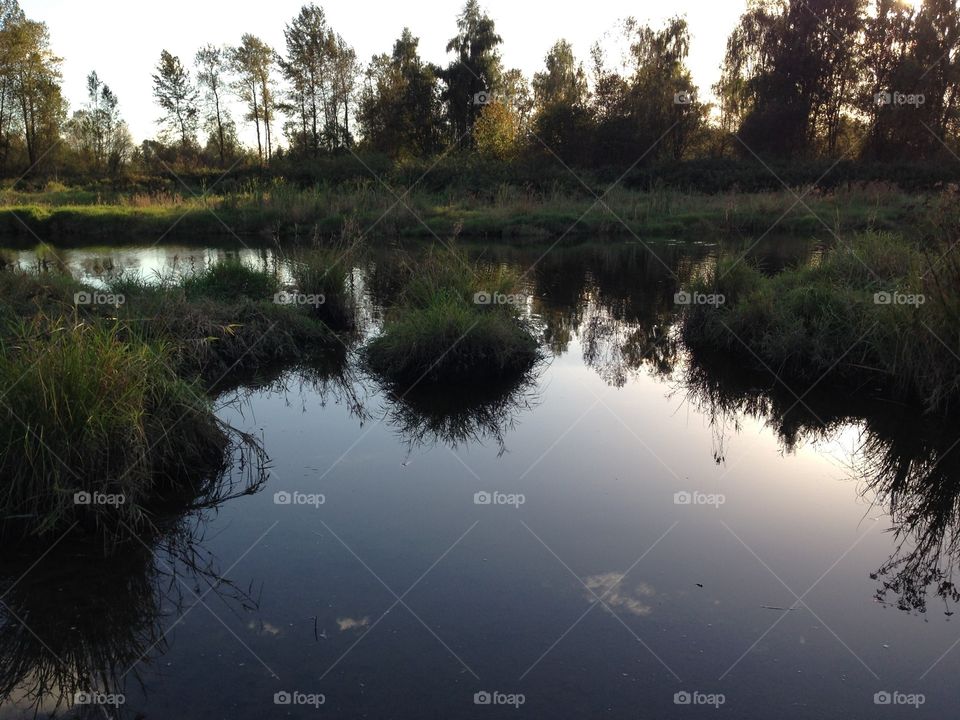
{"x": 295, "y": 213}
{"x": 877, "y": 315}
{"x": 86, "y": 412}
{"x": 445, "y": 329}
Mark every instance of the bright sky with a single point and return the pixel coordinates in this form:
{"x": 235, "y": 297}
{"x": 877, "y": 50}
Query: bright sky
{"x": 122, "y": 39}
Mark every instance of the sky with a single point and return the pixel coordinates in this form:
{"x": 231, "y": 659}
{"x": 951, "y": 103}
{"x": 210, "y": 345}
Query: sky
{"x": 122, "y": 39}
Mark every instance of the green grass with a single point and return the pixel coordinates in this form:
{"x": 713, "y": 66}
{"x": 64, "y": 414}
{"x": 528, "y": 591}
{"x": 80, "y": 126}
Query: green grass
{"x": 230, "y": 279}
{"x": 440, "y": 334}
{"x": 85, "y": 411}
{"x": 320, "y": 279}
{"x": 114, "y": 400}
{"x": 822, "y": 323}
{"x": 294, "y": 214}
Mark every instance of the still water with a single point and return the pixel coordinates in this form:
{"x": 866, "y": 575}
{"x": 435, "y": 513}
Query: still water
{"x": 628, "y": 533}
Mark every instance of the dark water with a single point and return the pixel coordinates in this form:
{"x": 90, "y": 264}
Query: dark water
{"x": 808, "y": 573}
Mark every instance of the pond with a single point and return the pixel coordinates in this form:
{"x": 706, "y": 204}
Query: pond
{"x": 629, "y": 532}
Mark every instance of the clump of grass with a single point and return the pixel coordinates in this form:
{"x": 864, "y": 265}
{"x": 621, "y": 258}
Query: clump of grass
{"x": 834, "y": 322}
{"x": 231, "y": 279}
{"x": 444, "y": 331}
{"x": 217, "y": 336}
{"x": 322, "y": 277}
{"x": 87, "y": 412}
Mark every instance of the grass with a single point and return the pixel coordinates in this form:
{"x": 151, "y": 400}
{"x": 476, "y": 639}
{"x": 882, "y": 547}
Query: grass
{"x": 443, "y": 330}
{"x": 230, "y": 279}
{"x": 85, "y": 411}
{"x": 829, "y": 322}
{"x": 293, "y": 214}
{"x": 113, "y": 400}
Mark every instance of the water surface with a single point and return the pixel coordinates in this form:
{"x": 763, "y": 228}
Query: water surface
{"x": 659, "y": 525}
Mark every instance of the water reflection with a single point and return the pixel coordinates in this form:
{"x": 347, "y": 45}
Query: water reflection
{"x": 76, "y": 619}
{"x": 905, "y": 463}
{"x": 474, "y": 415}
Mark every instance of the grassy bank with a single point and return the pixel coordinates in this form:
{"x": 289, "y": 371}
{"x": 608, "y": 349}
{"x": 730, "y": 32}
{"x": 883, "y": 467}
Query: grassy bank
{"x": 289, "y": 213}
{"x": 880, "y": 315}
{"x": 105, "y": 403}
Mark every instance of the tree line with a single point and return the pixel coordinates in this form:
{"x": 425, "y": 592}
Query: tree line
{"x": 801, "y": 79}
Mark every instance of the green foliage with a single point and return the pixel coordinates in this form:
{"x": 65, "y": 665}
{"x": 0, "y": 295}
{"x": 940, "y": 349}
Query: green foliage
{"x": 177, "y": 97}
{"x": 399, "y": 111}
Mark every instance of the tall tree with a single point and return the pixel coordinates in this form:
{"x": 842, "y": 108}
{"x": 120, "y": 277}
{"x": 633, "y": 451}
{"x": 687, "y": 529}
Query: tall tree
{"x": 97, "y": 132}
{"x": 649, "y": 109}
{"x": 400, "y": 110}
{"x": 10, "y": 14}
{"x": 306, "y": 68}
{"x": 560, "y": 103}
{"x": 563, "y": 81}
{"x": 788, "y": 73}
{"x": 35, "y": 81}
{"x": 252, "y": 62}
{"x": 177, "y": 97}
{"x": 212, "y": 67}
{"x": 474, "y": 73}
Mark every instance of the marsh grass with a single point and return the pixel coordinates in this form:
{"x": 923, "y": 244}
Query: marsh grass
{"x": 826, "y": 322}
{"x": 230, "y": 279}
{"x": 326, "y": 274}
{"x": 85, "y": 411}
{"x": 293, "y": 213}
{"x": 115, "y": 400}
{"x": 439, "y": 333}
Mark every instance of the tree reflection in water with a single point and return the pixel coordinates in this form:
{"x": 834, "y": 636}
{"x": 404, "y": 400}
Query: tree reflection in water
{"x": 906, "y": 463}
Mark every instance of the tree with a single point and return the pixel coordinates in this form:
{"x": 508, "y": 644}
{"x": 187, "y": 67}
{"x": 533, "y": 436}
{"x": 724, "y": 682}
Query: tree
{"x": 35, "y": 83}
{"x": 475, "y": 71}
{"x": 788, "y": 74}
{"x": 177, "y": 97}
{"x": 400, "y": 111}
{"x": 651, "y": 109}
{"x": 496, "y": 133}
{"x": 321, "y": 71}
{"x": 10, "y": 14}
{"x": 97, "y": 132}
{"x": 252, "y": 62}
{"x": 212, "y": 66}
{"x": 563, "y": 82}
{"x": 560, "y": 103}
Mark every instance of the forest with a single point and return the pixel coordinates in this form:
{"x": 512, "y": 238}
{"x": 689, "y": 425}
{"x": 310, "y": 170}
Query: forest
{"x": 868, "y": 90}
